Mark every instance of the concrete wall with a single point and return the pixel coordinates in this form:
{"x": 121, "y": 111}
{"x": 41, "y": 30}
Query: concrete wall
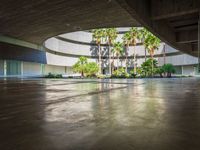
{"x": 179, "y": 60}
{"x": 80, "y": 36}
{"x": 20, "y": 53}
{"x": 188, "y": 70}
{"x": 28, "y": 69}
{"x": 54, "y": 69}
{"x": 31, "y": 69}
{"x": 66, "y": 47}
{"x": 1, "y": 67}
{"x": 62, "y": 60}
{"x": 178, "y": 70}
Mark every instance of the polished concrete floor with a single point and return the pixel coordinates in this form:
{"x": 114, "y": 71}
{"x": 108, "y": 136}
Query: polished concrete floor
{"x": 63, "y": 114}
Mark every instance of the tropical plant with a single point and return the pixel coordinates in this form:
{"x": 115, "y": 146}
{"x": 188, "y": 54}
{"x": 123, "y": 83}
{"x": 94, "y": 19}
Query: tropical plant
{"x": 151, "y": 44}
{"x": 139, "y": 72}
{"x": 98, "y": 36}
{"x": 51, "y": 75}
{"x": 91, "y": 69}
{"x": 80, "y": 65}
{"x": 159, "y": 71}
{"x": 126, "y": 41}
{"x": 134, "y": 32}
{"x": 86, "y": 68}
{"x": 169, "y": 69}
{"x": 120, "y": 73}
{"x": 118, "y": 50}
{"x": 146, "y": 67}
{"x": 142, "y": 35}
{"x": 111, "y": 35}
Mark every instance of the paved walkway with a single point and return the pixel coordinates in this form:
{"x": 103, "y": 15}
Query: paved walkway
{"x": 62, "y": 114}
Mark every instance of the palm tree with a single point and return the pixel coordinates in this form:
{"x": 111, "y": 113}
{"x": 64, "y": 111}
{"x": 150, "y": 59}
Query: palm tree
{"x": 79, "y": 66}
{"x": 164, "y": 53}
{"x": 151, "y": 43}
{"x": 98, "y": 35}
{"x": 126, "y": 40}
{"x": 134, "y": 32}
{"x": 118, "y": 50}
{"x": 111, "y": 35}
{"x": 143, "y": 33}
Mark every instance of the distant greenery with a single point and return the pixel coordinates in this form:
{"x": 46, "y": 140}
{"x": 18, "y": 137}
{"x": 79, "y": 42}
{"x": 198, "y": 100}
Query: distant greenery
{"x": 168, "y": 69}
{"x": 87, "y": 69}
{"x": 146, "y": 69}
{"x": 51, "y": 75}
{"x": 91, "y": 69}
{"x": 120, "y": 73}
{"x": 116, "y": 49}
{"x": 98, "y": 35}
{"x": 80, "y": 66}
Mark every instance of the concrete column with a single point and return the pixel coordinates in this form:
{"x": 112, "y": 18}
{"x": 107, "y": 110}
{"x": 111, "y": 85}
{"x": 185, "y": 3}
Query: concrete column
{"x": 22, "y": 68}
{"x": 199, "y": 44}
{"x": 42, "y": 68}
{"x": 5, "y": 68}
{"x": 182, "y": 70}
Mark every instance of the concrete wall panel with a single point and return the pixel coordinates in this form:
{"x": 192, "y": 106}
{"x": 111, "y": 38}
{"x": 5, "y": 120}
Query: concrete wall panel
{"x": 1, "y": 67}
{"x": 31, "y": 69}
{"x": 188, "y": 70}
{"x": 54, "y": 69}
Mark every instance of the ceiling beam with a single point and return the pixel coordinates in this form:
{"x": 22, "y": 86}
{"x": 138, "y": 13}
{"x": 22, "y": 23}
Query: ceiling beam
{"x": 187, "y": 36}
{"x": 177, "y": 23}
{"x": 164, "y": 9}
{"x": 139, "y": 10}
{"x": 186, "y": 27}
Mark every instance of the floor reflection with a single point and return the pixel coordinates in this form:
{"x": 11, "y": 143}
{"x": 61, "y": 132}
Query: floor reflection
{"x": 100, "y": 114}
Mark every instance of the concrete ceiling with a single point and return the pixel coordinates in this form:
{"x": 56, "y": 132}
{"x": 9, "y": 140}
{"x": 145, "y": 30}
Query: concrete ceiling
{"x": 174, "y": 21}
{"x": 35, "y": 21}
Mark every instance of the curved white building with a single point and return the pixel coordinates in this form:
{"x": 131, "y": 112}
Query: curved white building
{"x": 60, "y": 53}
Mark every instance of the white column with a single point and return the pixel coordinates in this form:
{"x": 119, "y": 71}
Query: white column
{"x": 5, "y": 68}
{"x": 22, "y": 68}
{"x": 182, "y": 70}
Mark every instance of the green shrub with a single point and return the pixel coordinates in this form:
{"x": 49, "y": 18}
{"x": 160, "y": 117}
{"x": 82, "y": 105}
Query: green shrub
{"x": 169, "y": 69}
{"x": 159, "y": 71}
{"x": 146, "y": 69}
{"x": 88, "y": 69}
{"x": 80, "y": 65}
{"x": 91, "y": 69}
{"x": 50, "y": 75}
{"x": 120, "y": 73}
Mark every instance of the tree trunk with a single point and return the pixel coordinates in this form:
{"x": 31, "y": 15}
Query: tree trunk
{"x": 135, "y": 69}
{"x": 126, "y": 62}
{"x": 169, "y": 75}
{"x": 145, "y": 54}
{"x": 117, "y": 62}
{"x": 152, "y": 66}
{"x": 161, "y": 75}
{"x": 109, "y": 53}
{"x": 164, "y": 57}
{"x": 100, "y": 70}
{"x": 113, "y": 63}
